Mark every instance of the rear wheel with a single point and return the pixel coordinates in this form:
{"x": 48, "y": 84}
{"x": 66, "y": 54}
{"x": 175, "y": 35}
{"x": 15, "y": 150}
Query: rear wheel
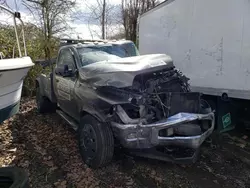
{"x": 44, "y": 105}
{"x": 96, "y": 142}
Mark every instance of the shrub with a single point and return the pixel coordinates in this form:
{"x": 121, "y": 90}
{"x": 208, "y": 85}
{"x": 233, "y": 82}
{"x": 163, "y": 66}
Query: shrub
{"x": 29, "y": 85}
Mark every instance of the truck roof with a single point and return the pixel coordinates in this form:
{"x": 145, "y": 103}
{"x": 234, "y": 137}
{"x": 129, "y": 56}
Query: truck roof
{"x": 80, "y": 45}
{"x": 89, "y": 42}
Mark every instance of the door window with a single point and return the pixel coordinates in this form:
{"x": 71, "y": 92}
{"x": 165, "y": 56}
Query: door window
{"x": 66, "y": 58}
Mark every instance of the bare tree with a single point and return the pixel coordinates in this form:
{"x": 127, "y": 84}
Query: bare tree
{"x": 103, "y": 18}
{"x": 117, "y": 35}
{"x": 3, "y": 2}
{"x": 131, "y": 9}
{"x": 102, "y": 14}
{"x": 51, "y": 15}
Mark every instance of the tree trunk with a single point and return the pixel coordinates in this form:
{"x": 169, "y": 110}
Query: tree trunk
{"x": 130, "y": 12}
{"x": 103, "y": 19}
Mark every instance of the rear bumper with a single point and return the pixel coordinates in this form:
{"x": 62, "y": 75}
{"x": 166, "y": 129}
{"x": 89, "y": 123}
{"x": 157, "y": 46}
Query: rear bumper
{"x": 139, "y": 136}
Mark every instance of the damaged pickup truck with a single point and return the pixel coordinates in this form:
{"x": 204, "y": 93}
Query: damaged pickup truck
{"x": 141, "y": 103}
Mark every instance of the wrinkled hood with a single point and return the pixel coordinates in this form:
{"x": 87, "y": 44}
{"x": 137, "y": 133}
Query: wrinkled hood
{"x": 121, "y": 72}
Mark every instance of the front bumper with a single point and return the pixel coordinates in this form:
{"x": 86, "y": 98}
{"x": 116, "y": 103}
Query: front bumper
{"x": 138, "y": 136}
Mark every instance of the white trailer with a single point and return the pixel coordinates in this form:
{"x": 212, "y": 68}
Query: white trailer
{"x": 209, "y": 42}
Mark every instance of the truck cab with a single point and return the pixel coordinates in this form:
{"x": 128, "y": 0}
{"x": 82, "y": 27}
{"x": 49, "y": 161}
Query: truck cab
{"x": 60, "y": 84}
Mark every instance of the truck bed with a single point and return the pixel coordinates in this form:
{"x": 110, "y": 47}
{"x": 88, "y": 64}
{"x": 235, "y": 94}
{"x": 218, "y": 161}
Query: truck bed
{"x": 45, "y": 85}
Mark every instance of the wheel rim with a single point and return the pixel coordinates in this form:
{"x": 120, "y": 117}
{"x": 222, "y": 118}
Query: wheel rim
{"x": 88, "y": 141}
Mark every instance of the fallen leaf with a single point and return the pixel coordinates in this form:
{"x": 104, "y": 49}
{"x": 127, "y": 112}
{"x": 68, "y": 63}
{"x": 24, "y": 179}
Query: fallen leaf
{"x": 245, "y": 137}
{"x": 153, "y": 172}
{"x": 12, "y": 150}
{"x": 215, "y": 181}
{"x": 241, "y": 145}
{"x": 53, "y": 169}
{"x": 25, "y": 164}
{"x": 49, "y": 163}
{"x": 64, "y": 182}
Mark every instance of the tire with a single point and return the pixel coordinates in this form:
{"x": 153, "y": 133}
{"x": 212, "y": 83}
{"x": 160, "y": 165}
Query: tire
{"x": 96, "y": 142}
{"x": 44, "y": 105}
{"x": 13, "y": 177}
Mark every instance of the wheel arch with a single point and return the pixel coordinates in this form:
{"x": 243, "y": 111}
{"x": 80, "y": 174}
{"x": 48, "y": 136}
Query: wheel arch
{"x": 99, "y": 116}
{"x": 39, "y": 85}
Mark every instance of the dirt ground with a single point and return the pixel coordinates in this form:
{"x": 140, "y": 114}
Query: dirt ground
{"x": 46, "y": 148}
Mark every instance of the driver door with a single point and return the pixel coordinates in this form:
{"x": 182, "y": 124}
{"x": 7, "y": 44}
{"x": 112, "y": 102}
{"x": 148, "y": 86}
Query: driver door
{"x": 65, "y": 84}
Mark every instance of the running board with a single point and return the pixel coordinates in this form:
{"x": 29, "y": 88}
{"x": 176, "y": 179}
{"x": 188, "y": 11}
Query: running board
{"x": 70, "y": 120}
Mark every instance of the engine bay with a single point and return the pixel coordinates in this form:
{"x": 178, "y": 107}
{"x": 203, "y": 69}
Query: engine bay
{"x": 158, "y": 95}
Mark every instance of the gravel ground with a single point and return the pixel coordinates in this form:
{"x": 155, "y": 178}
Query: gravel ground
{"x": 47, "y": 149}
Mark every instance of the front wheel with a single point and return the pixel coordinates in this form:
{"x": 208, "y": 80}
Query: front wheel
{"x": 96, "y": 142}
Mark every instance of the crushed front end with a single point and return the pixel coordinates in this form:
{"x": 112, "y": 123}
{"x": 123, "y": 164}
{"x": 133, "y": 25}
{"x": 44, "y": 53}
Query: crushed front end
{"x": 162, "y": 118}
{"x": 183, "y": 129}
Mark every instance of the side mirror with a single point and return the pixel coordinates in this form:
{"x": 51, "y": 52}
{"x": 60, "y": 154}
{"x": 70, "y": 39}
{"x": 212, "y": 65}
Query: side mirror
{"x": 67, "y": 72}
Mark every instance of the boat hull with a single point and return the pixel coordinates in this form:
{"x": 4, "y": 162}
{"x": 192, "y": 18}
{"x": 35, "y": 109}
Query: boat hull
{"x": 9, "y": 111}
{"x": 11, "y": 83}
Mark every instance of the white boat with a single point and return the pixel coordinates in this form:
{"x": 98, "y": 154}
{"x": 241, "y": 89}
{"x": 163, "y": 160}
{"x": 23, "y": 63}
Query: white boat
{"x": 12, "y": 73}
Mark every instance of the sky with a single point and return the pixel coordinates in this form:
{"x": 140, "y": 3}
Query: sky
{"x": 81, "y": 27}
